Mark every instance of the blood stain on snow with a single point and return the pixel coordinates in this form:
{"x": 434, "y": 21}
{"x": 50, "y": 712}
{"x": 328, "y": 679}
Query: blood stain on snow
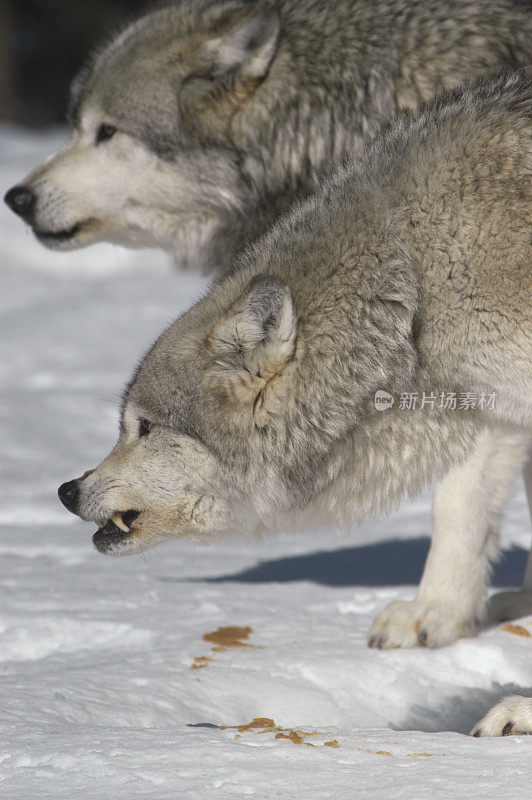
{"x": 297, "y": 737}
{"x": 518, "y": 630}
{"x": 263, "y": 724}
{"x": 222, "y": 639}
{"x": 267, "y": 725}
{"x": 200, "y": 662}
{"x": 230, "y": 636}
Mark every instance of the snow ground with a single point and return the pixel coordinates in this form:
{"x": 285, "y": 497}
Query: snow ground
{"x": 97, "y": 696}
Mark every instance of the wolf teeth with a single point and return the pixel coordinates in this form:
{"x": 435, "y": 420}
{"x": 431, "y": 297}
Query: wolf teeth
{"x": 119, "y": 522}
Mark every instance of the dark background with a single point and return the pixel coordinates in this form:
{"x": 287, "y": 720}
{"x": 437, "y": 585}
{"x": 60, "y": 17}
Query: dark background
{"x": 42, "y": 45}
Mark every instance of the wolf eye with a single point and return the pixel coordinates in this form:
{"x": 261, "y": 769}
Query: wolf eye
{"x": 144, "y": 427}
{"x": 105, "y": 132}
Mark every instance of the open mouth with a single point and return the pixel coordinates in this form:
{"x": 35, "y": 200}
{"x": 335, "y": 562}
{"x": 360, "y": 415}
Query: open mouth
{"x": 116, "y": 529}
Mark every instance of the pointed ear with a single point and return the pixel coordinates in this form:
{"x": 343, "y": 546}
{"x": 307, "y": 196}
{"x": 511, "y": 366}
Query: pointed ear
{"x": 233, "y": 57}
{"x": 256, "y": 338}
{"x": 243, "y": 37}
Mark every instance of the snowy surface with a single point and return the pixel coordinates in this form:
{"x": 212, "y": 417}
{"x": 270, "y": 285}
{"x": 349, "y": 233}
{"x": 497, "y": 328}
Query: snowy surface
{"x": 97, "y": 696}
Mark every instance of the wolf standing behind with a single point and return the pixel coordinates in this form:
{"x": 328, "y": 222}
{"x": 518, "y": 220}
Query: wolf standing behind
{"x": 197, "y": 124}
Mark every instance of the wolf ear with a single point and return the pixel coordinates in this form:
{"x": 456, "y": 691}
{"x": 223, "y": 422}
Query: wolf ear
{"x": 234, "y": 56}
{"x": 256, "y": 338}
{"x": 243, "y": 37}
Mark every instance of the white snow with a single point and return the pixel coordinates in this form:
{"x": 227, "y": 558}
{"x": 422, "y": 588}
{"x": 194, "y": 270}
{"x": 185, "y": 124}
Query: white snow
{"x": 97, "y": 696}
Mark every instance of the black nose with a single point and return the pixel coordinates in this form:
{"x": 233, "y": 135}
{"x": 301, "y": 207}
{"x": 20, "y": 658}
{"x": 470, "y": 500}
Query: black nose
{"x": 21, "y": 200}
{"x": 68, "y": 494}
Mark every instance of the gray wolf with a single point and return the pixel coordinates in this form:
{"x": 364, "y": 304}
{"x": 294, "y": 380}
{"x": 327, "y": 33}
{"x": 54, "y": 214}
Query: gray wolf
{"x": 198, "y": 124}
{"x": 408, "y": 272}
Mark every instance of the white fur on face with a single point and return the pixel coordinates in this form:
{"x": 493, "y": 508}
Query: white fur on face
{"x": 118, "y": 190}
{"x": 171, "y": 479}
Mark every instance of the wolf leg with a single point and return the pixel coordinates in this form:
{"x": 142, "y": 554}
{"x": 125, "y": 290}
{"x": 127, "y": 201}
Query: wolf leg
{"x": 511, "y": 716}
{"x": 467, "y": 507}
{"x": 509, "y": 605}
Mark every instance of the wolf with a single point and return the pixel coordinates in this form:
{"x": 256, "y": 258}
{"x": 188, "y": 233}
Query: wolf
{"x": 201, "y": 122}
{"x": 407, "y": 273}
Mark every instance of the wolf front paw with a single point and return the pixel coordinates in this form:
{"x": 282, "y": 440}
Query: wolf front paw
{"x": 512, "y": 716}
{"x": 418, "y": 624}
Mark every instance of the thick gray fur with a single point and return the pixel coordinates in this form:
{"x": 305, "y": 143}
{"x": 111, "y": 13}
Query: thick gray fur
{"x": 243, "y": 105}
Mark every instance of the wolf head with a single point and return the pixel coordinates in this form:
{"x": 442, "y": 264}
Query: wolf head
{"x": 151, "y": 159}
{"x": 190, "y": 456}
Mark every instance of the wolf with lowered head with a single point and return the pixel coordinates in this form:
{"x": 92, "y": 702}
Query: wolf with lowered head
{"x": 409, "y": 272}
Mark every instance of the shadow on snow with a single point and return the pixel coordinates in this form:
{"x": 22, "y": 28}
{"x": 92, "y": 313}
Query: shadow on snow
{"x": 388, "y": 563}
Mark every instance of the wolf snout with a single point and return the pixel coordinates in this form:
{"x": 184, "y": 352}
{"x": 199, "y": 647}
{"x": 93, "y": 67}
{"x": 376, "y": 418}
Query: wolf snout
{"x": 21, "y": 200}
{"x": 68, "y": 494}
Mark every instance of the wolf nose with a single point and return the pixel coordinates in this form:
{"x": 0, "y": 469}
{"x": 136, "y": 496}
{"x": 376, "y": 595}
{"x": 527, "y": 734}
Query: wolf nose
{"x": 68, "y": 494}
{"x": 21, "y": 200}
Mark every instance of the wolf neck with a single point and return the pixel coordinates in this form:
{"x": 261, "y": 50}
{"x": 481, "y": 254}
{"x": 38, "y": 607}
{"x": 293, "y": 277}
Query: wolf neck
{"x": 305, "y": 115}
{"x": 296, "y": 125}
{"x": 394, "y": 455}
